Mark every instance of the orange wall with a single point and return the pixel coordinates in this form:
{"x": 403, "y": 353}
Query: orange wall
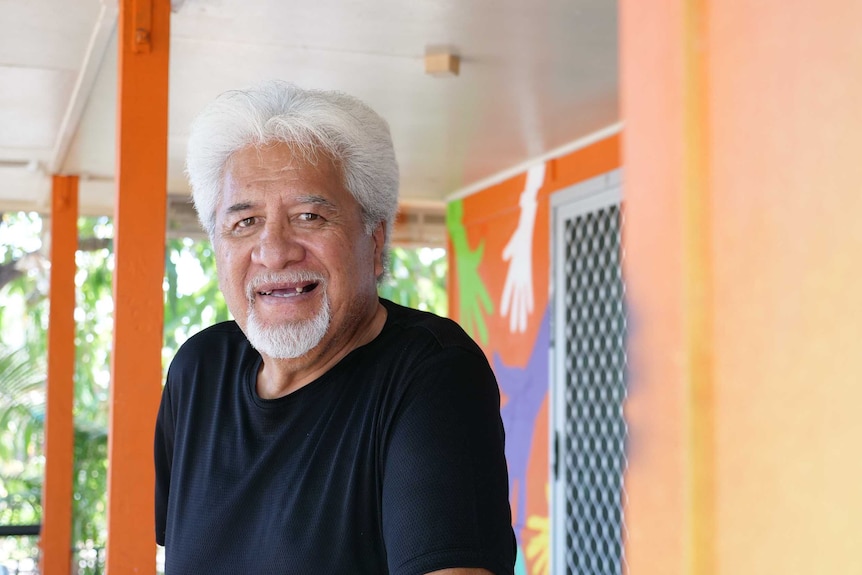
{"x": 743, "y": 138}
{"x": 480, "y": 227}
{"x": 787, "y": 174}
{"x": 661, "y": 509}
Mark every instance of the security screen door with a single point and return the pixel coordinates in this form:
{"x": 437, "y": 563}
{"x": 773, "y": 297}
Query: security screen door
{"x": 588, "y": 379}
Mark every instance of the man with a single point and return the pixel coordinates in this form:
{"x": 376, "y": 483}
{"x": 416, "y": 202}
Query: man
{"x": 324, "y": 430}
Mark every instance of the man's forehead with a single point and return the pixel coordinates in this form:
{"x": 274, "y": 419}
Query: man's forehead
{"x": 278, "y": 159}
{"x": 253, "y": 173}
{"x": 288, "y": 156}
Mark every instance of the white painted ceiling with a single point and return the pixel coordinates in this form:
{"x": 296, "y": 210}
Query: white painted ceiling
{"x": 535, "y": 76}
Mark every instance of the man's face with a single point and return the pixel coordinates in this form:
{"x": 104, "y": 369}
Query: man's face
{"x": 296, "y": 267}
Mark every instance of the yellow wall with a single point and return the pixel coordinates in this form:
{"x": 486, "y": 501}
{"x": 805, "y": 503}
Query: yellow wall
{"x": 743, "y": 182}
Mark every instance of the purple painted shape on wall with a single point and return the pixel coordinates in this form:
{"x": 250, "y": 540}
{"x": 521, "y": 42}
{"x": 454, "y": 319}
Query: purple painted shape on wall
{"x": 525, "y": 389}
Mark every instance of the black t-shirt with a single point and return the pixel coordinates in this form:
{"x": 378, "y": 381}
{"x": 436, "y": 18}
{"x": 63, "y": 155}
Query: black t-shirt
{"x": 391, "y": 462}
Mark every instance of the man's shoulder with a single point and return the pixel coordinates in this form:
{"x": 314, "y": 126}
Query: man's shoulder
{"x": 225, "y": 331}
{"x": 214, "y": 341}
{"x": 418, "y": 325}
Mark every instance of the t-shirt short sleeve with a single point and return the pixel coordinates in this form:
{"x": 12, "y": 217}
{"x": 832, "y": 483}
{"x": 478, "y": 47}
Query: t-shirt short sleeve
{"x": 445, "y": 488}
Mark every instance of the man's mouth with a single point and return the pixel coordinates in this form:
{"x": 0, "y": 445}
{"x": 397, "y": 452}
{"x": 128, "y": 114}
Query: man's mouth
{"x": 290, "y": 291}
{"x": 283, "y": 285}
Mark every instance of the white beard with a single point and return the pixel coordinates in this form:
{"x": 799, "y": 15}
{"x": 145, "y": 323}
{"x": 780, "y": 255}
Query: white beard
{"x": 288, "y": 340}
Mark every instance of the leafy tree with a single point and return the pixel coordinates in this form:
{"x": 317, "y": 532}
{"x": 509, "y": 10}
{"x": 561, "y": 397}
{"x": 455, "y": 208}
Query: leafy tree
{"x": 24, "y": 270}
{"x": 93, "y": 338}
{"x": 417, "y": 278}
{"x": 22, "y": 413}
{"x": 23, "y": 314}
{"x": 192, "y": 298}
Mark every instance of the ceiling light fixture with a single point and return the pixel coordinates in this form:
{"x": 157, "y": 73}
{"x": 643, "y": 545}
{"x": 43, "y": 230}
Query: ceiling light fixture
{"x": 441, "y": 64}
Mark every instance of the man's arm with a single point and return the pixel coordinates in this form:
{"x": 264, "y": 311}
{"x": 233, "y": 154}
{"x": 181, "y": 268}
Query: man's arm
{"x": 163, "y": 451}
{"x": 462, "y": 572}
{"x": 445, "y": 488}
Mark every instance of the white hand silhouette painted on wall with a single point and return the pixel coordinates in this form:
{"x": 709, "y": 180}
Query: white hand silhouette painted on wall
{"x": 517, "y": 300}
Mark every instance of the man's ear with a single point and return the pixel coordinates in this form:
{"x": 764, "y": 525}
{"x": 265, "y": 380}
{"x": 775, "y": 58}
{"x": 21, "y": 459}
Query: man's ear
{"x": 379, "y": 237}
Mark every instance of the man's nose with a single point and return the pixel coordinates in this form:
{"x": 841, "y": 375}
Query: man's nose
{"x": 278, "y": 246}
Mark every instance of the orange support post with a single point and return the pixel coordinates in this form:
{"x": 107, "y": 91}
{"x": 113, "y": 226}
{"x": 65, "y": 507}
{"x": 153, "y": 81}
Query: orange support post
{"x": 670, "y": 509}
{"x": 142, "y": 124}
{"x": 56, "y": 539}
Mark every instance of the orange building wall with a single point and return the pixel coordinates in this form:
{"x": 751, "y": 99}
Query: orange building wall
{"x": 663, "y": 514}
{"x": 480, "y": 227}
{"x": 786, "y": 141}
{"x": 743, "y": 186}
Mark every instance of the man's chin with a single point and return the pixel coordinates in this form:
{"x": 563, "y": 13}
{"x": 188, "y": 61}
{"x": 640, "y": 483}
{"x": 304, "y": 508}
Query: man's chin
{"x": 287, "y": 341}
{"x": 269, "y": 351}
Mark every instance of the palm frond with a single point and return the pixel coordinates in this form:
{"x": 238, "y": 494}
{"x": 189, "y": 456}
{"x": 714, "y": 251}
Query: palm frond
{"x": 19, "y": 375}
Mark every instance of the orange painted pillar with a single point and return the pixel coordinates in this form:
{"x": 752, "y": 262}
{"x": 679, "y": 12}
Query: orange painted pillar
{"x": 741, "y": 152}
{"x": 670, "y": 511}
{"x": 142, "y": 124}
{"x": 56, "y": 537}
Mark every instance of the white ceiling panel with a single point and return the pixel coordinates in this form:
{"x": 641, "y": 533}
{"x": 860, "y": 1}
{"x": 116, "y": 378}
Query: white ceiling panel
{"x": 23, "y": 90}
{"x": 535, "y": 75}
{"x": 47, "y": 34}
{"x": 92, "y": 151}
{"x": 23, "y": 189}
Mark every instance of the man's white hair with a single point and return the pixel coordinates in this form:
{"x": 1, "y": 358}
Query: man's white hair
{"x": 312, "y": 122}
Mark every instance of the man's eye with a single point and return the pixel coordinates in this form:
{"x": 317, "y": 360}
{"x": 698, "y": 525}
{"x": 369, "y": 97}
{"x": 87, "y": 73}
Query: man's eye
{"x": 309, "y": 217}
{"x": 246, "y": 222}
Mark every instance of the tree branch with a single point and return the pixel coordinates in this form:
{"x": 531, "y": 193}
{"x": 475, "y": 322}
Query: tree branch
{"x": 94, "y": 244}
{"x": 11, "y": 270}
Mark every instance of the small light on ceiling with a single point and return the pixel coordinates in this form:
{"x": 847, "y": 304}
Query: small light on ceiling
{"x": 442, "y": 64}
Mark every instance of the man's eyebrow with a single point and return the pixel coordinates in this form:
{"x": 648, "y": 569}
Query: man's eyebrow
{"x": 315, "y": 201}
{"x": 239, "y": 207}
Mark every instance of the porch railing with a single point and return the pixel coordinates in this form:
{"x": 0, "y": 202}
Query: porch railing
{"x": 22, "y": 556}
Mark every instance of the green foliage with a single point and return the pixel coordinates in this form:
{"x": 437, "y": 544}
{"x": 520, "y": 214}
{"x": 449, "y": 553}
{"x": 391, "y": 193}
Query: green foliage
{"x": 22, "y": 411}
{"x": 25, "y": 305}
{"x": 90, "y": 477}
{"x": 417, "y": 279}
{"x": 192, "y": 297}
{"x": 24, "y": 309}
{"x": 93, "y": 338}
{"x": 23, "y": 320}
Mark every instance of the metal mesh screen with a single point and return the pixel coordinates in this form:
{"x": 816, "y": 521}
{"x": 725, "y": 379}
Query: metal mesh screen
{"x": 594, "y": 434}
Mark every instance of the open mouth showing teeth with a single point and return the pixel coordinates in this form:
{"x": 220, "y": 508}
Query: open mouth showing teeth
{"x": 290, "y": 291}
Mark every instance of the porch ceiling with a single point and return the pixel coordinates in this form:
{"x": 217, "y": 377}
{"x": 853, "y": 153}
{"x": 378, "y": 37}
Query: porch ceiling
{"x": 534, "y": 76}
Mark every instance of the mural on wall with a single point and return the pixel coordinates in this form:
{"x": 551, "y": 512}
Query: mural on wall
{"x": 518, "y": 289}
{"x": 474, "y": 302}
{"x": 498, "y": 304}
{"x": 499, "y": 240}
